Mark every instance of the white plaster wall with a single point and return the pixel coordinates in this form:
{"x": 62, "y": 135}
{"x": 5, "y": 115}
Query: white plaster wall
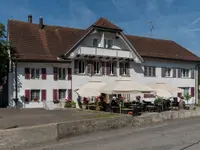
{"x": 49, "y": 84}
{"x": 136, "y": 72}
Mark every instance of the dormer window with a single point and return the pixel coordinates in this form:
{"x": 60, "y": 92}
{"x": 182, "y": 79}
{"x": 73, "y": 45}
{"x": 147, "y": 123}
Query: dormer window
{"x": 95, "y": 43}
{"x": 108, "y": 43}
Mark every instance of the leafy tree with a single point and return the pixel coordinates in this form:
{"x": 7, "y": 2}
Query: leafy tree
{"x": 4, "y": 56}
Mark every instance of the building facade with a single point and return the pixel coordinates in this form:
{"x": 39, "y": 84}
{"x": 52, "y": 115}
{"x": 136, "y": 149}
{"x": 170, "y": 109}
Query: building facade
{"x": 50, "y": 62}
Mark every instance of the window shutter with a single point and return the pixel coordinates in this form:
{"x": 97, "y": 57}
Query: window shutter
{"x": 27, "y": 73}
{"x": 55, "y": 73}
{"x": 55, "y": 91}
{"x": 121, "y": 69}
{"x": 108, "y": 68}
{"x": 128, "y": 68}
{"x": 43, "y": 95}
{"x": 174, "y": 73}
{"x": 192, "y": 73}
{"x": 27, "y": 95}
{"x": 179, "y": 95}
{"x": 69, "y": 73}
{"x": 44, "y": 73}
{"x": 69, "y": 93}
{"x": 102, "y": 68}
{"x": 75, "y": 66}
{"x": 163, "y": 72}
{"x": 192, "y": 91}
{"x": 179, "y": 73}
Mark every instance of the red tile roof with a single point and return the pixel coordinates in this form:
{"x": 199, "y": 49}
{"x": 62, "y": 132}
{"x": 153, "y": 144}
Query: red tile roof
{"x": 51, "y": 42}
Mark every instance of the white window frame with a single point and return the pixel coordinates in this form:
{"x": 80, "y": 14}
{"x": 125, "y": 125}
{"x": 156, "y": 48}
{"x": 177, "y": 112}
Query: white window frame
{"x": 168, "y": 72}
{"x": 150, "y": 71}
{"x": 106, "y": 44}
{"x": 33, "y": 73}
{"x": 62, "y": 94}
{"x": 84, "y": 65}
{"x": 93, "y": 42}
{"x": 35, "y": 93}
{"x": 95, "y": 65}
{"x": 62, "y": 76}
{"x": 186, "y": 74}
{"x": 124, "y": 68}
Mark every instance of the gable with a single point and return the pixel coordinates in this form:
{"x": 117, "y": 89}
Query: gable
{"x": 120, "y": 47}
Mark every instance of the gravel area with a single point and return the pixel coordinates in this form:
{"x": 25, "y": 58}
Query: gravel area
{"x": 12, "y": 118}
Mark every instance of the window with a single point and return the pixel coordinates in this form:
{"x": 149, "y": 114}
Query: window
{"x": 35, "y": 94}
{"x": 81, "y": 66}
{"x": 149, "y": 71}
{"x": 108, "y": 43}
{"x": 95, "y": 43}
{"x": 61, "y": 93}
{"x": 185, "y": 90}
{"x": 62, "y": 73}
{"x": 112, "y": 68}
{"x": 105, "y": 43}
{"x": 35, "y": 73}
{"x": 124, "y": 68}
{"x": 96, "y": 67}
{"x": 185, "y": 73}
{"x": 168, "y": 72}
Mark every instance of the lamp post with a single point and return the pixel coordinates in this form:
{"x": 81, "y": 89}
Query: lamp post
{"x": 196, "y": 83}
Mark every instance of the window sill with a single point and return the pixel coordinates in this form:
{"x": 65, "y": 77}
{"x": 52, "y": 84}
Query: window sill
{"x": 125, "y": 75}
{"x": 150, "y": 76}
{"x": 169, "y": 77}
{"x": 185, "y": 77}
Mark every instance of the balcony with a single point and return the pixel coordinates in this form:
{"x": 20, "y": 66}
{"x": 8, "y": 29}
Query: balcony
{"x": 98, "y": 51}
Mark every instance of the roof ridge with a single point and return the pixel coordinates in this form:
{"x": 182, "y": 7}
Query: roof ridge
{"x": 45, "y": 25}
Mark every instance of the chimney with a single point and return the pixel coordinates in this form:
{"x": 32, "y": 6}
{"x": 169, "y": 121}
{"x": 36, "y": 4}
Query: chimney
{"x": 30, "y": 18}
{"x": 41, "y": 23}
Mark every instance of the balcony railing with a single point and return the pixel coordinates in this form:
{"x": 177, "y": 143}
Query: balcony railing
{"x": 99, "y": 51}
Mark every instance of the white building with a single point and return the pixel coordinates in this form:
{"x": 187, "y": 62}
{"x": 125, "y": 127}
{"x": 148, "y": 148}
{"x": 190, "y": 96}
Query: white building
{"x": 52, "y": 61}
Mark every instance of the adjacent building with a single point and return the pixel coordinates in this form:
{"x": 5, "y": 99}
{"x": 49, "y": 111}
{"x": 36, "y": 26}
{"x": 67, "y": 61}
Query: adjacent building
{"x": 51, "y": 61}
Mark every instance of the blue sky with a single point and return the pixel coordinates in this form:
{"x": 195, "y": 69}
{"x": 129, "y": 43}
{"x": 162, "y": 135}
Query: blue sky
{"x": 177, "y": 20}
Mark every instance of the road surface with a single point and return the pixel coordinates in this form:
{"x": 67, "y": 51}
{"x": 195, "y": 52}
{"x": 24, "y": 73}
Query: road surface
{"x": 173, "y": 135}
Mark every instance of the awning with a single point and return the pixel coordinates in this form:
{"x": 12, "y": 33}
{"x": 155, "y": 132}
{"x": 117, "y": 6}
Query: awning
{"x": 84, "y": 92}
{"x": 97, "y": 85}
{"x": 92, "y": 88}
{"x": 125, "y": 87}
{"x": 163, "y": 93}
{"x": 166, "y": 87}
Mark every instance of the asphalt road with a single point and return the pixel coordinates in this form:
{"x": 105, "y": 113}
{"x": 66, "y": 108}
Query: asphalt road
{"x": 173, "y": 135}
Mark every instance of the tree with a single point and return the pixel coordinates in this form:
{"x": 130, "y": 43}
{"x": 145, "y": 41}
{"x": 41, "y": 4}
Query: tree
{"x": 4, "y": 56}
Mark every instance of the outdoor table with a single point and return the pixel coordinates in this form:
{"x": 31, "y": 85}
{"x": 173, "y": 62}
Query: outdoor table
{"x": 150, "y": 108}
{"x": 115, "y": 108}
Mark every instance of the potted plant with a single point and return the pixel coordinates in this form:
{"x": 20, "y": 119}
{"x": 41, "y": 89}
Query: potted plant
{"x": 68, "y": 103}
{"x": 56, "y": 101}
{"x": 85, "y": 103}
{"x": 36, "y": 99}
{"x": 187, "y": 97}
{"x": 73, "y": 104}
{"x": 159, "y": 103}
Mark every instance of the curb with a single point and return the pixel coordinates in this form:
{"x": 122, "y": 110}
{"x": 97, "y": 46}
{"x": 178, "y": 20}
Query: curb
{"x": 52, "y": 132}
